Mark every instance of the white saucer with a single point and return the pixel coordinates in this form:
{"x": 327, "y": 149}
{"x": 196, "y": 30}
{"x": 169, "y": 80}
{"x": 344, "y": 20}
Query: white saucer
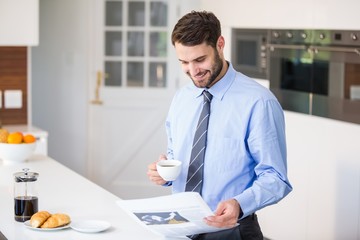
{"x": 90, "y": 226}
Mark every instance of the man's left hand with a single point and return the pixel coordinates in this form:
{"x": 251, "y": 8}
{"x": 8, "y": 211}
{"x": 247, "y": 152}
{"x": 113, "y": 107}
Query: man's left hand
{"x": 226, "y": 214}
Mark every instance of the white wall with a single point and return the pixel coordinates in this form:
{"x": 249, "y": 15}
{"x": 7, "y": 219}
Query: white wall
{"x": 59, "y": 79}
{"x": 331, "y": 14}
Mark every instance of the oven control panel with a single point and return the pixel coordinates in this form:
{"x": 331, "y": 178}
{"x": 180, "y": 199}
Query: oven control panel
{"x": 316, "y": 37}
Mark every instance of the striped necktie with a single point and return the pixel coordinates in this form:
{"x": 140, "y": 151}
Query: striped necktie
{"x": 195, "y": 172}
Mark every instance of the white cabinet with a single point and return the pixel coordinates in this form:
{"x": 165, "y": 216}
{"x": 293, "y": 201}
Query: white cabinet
{"x": 19, "y": 22}
{"x": 324, "y": 170}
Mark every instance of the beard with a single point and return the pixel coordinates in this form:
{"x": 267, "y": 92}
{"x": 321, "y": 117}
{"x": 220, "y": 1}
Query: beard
{"x": 214, "y": 73}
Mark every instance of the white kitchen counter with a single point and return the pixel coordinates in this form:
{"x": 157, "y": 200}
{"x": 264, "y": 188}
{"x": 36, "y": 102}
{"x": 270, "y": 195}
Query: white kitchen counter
{"x": 62, "y": 190}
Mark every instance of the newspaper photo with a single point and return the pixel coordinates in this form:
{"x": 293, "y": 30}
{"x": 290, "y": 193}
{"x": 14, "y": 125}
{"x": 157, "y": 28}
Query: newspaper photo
{"x": 179, "y": 214}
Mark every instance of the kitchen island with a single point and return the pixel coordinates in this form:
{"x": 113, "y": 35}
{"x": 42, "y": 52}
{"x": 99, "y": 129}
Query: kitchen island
{"x": 61, "y": 190}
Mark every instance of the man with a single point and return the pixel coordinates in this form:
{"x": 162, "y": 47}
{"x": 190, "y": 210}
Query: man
{"x": 244, "y": 165}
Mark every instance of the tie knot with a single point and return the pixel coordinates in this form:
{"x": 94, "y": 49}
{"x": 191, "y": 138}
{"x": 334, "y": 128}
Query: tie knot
{"x": 207, "y": 96}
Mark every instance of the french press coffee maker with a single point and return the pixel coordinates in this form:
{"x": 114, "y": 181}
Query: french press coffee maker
{"x": 25, "y": 195}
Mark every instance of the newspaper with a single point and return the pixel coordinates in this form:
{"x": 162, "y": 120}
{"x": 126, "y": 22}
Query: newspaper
{"x": 179, "y": 214}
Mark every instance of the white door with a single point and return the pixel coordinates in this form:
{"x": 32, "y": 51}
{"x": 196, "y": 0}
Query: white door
{"x": 135, "y": 74}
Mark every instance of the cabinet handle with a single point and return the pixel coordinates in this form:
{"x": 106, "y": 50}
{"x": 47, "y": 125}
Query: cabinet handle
{"x": 272, "y": 47}
{"x": 336, "y": 49}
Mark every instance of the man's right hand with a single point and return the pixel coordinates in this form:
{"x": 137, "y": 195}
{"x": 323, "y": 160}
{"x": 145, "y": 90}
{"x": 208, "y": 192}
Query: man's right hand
{"x": 153, "y": 173}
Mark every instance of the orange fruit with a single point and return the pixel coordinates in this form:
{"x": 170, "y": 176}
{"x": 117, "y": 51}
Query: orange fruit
{"x": 15, "y": 138}
{"x": 28, "y": 138}
{"x": 3, "y": 135}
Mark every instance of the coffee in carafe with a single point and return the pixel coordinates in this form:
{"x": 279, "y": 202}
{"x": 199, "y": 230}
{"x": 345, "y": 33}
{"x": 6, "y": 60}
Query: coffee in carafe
{"x": 25, "y": 195}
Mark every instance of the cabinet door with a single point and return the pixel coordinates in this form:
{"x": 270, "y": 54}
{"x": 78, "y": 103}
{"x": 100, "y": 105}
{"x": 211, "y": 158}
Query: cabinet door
{"x": 19, "y": 22}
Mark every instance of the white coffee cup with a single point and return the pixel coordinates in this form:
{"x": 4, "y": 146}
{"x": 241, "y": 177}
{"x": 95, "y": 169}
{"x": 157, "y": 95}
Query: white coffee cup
{"x": 169, "y": 170}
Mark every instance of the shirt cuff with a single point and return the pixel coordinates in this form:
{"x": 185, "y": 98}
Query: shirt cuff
{"x": 167, "y": 184}
{"x": 246, "y": 203}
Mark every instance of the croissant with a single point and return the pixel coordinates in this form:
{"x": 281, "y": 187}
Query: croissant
{"x": 39, "y": 218}
{"x": 56, "y": 220}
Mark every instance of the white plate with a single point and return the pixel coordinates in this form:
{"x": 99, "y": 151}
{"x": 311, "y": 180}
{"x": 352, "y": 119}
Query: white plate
{"x": 28, "y": 225}
{"x": 90, "y": 226}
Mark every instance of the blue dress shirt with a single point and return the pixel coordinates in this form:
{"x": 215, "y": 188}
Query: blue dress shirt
{"x": 245, "y": 156}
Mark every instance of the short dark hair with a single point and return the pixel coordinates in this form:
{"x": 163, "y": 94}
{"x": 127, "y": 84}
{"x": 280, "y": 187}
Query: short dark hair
{"x": 195, "y": 28}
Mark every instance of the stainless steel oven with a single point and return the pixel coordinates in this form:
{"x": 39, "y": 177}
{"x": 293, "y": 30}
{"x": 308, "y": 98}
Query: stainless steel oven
{"x": 249, "y": 53}
{"x": 312, "y": 71}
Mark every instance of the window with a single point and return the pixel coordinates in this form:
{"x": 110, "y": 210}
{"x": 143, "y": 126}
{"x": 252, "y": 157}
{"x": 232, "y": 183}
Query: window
{"x": 135, "y": 42}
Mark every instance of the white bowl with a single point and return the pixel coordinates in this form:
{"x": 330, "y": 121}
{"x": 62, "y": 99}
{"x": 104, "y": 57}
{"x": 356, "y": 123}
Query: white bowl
{"x": 15, "y": 153}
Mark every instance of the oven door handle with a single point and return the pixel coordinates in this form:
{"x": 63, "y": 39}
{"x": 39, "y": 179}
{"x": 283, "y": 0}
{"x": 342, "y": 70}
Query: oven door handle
{"x": 335, "y": 49}
{"x": 272, "y": 47}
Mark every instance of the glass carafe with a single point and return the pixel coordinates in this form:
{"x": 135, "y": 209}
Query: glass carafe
{"x": 25, "y": 195}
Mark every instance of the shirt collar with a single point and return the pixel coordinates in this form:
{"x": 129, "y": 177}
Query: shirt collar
{"x": 220, "y": 88}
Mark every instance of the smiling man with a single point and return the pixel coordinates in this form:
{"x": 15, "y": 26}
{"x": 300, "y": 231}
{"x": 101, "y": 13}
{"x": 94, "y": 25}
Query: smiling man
{"x": 228, "y": 131}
